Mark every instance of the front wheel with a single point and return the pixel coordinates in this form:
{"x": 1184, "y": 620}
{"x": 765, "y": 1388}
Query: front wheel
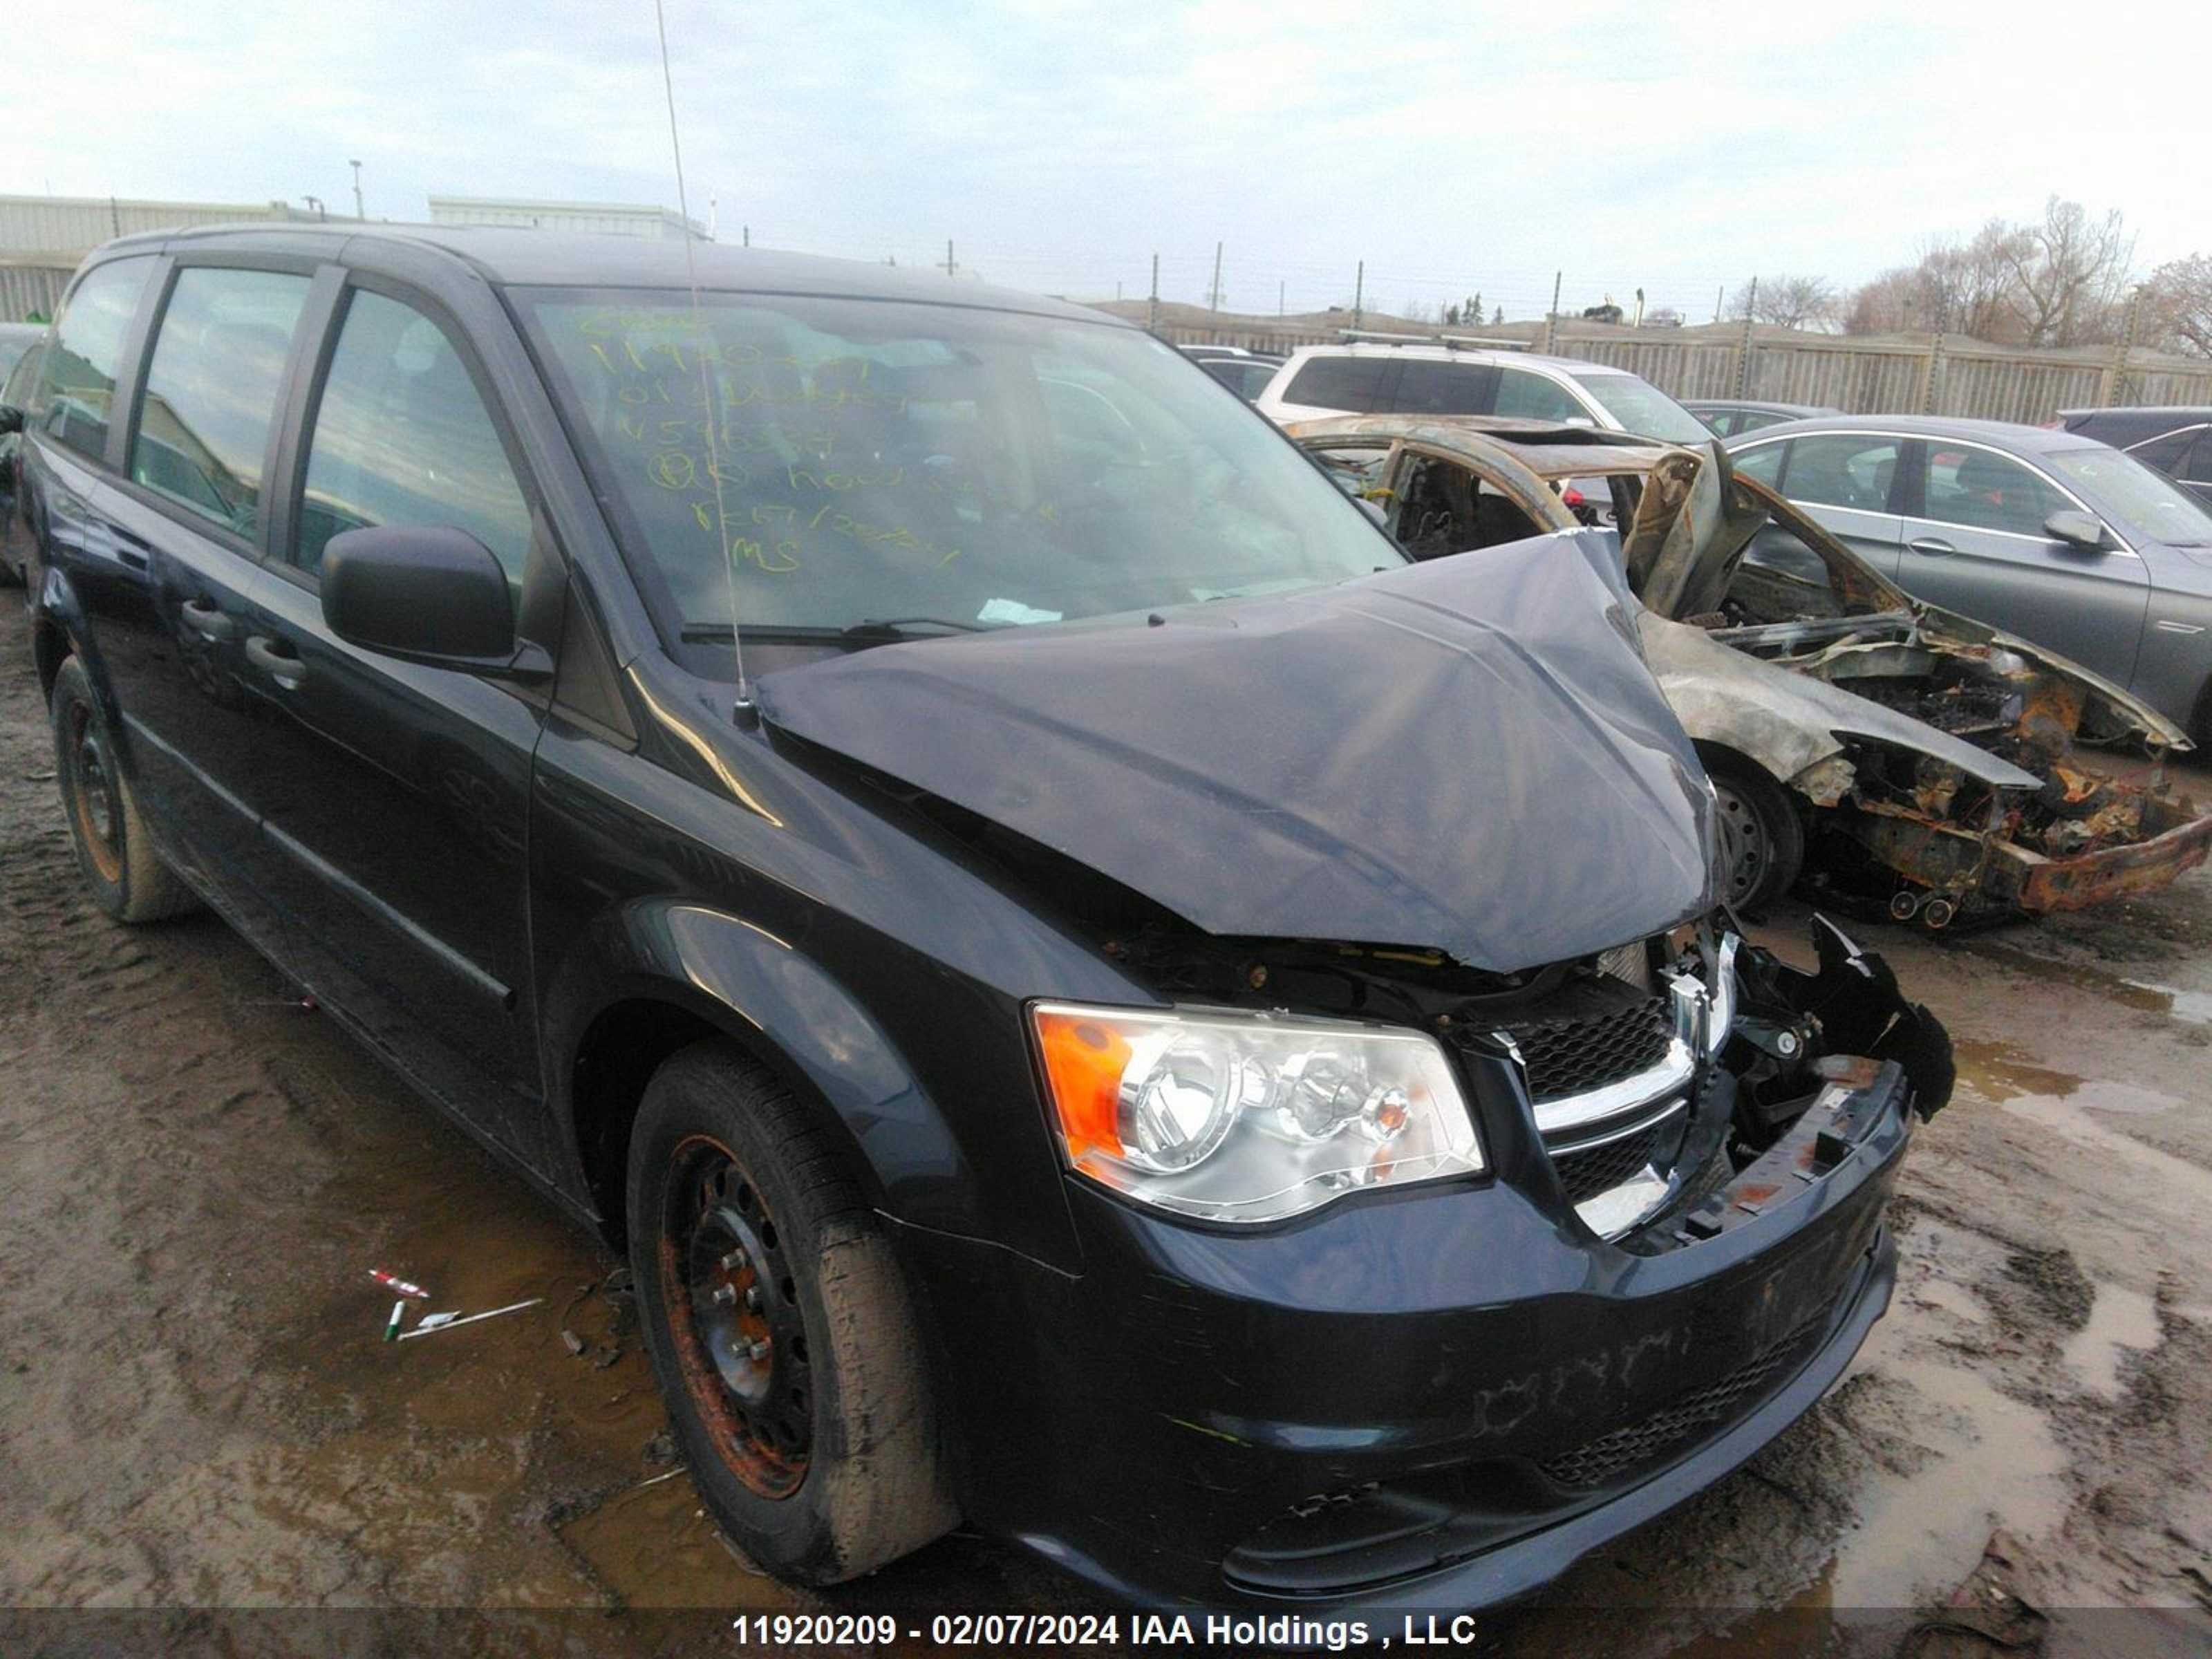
{"x": 779, "y": 1328}
{"x": 1762, "y": 843}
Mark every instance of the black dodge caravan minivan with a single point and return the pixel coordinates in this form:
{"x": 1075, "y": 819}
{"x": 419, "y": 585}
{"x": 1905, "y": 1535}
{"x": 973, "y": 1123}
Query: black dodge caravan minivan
{"x": 1099, "y": 998}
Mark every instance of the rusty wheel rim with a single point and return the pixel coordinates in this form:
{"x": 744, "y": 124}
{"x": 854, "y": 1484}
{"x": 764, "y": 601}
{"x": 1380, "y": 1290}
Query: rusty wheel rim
{"x": 732, "y": 1304}
{"x": 93, "y": 798}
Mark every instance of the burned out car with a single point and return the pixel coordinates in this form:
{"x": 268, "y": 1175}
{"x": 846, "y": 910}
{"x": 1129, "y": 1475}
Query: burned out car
{"x": 1889, "y": 751}
{"x": 1100, "y": 998}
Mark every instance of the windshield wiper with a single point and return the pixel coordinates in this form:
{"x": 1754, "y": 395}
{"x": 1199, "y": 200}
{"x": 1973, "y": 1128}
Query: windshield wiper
{"x": 869, "y": 630}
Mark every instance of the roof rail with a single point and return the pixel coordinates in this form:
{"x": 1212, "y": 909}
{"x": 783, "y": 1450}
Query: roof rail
{"x": 1386, "y": 339}
{"x": 1449, "y": 342}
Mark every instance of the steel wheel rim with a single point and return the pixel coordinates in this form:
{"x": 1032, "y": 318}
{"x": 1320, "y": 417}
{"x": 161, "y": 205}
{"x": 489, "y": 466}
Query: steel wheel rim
{"x": 1745, "y": 845}
{"x": 732, "y": 1301}
{"x": 93, "y": 800}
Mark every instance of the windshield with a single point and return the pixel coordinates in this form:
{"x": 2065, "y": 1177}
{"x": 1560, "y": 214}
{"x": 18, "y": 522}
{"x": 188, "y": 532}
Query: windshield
{"x": 2147, "y": 506}
{"x": 885, "y": 461}
{"x": 1644, "y": 409}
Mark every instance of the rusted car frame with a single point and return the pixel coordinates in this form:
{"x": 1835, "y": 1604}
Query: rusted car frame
{"x": 1932, "y": 763}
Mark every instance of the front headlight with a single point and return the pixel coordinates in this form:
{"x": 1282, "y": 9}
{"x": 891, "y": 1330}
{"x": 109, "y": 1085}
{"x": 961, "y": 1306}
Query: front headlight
{"x": 1249, "y": 1117}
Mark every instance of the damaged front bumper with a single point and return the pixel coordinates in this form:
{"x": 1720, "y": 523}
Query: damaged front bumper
{"x": 1440, "y": 1398}
{"x": 1965, "y": 870}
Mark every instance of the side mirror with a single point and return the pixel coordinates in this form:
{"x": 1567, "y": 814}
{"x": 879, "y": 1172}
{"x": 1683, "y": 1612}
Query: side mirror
{"x": 11, "y": 419}
{"x": 425, "y": 593}
{"x": 2076, "y": 529}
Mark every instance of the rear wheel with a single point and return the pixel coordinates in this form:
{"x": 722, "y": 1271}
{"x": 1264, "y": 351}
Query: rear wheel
{"x": 1762, "y": 843}
{"x": 126, "y": 875}
{"x": 780, "y": 1328}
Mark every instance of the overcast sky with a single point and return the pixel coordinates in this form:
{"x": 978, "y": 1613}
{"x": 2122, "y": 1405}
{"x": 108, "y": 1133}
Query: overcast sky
{"x": 1453, "y": 147}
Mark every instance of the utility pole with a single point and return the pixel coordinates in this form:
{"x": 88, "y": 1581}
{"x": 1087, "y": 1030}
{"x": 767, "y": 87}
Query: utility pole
{"x": 1117, "y": 290}
{"x": 1551, "y": 317}
{"x": 1153, "y": 308}
{"x": 1639, "y": 308}
{"x": 1743, "y": 356}
{"x": 1717, "y": 292}
{"x": 746, "y": 233}
{"x": 2115, "y": 377}
{"x": 1278, "y": 297}
{"x": 359, "y": 211}
{"x": 952, "y": 266}
{"x": 1213, "y": 298}
{"x": 1359, "y": 294}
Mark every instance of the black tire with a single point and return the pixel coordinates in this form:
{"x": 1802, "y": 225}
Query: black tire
{"x": 801, "y": 1399}
{"x": 1762, "y": 842}
{"x": 127, "y": 878}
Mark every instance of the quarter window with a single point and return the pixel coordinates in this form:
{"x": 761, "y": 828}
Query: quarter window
{"x": 1984, "y": 490}
{"x": 77, "y": 383}
{"x": 212, "y": 389}
{"x": 1843, "y": 469}
{"x": 402, "y": 438}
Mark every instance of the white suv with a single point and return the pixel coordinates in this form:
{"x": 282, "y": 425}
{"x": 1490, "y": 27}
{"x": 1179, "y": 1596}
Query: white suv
{"x": 1359, "y": 378}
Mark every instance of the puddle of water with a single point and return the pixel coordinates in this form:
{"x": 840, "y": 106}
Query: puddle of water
{"x": 1999, "y": 1072}
{"x": 2189, "y": 1180}
{"x": 1993, "y": 1461}
{"x": 2141, "y": 995}
{"x": 1954, "y": 1299}
{"x": 2120, "y": 1320}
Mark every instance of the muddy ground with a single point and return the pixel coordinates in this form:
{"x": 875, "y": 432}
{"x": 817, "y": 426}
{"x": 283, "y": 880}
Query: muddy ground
{"x": 197, "y": 1410}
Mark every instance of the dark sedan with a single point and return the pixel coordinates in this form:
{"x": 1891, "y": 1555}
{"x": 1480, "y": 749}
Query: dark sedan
{"x": 1732, "y": 417}
{"x": 2066, "y": 542}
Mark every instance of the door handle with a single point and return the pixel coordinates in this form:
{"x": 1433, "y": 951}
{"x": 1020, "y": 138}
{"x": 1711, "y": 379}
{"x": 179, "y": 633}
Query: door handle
{"x": 1932, "y": 546}
{"x": 204, "y": 620}
{"x": 276, "y": 660}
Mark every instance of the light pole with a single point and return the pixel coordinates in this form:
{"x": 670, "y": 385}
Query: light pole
{"x": 359, "y": 211}
{"x": 316, "y": 203}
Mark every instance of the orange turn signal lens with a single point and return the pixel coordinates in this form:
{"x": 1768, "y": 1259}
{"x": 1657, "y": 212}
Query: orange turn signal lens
{"x": 1083, "y": 1060}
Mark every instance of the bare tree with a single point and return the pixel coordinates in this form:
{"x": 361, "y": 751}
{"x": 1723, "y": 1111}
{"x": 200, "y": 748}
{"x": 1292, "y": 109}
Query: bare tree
{"x": 2067, "y": 273}
{"x": 2179, "y": 301}
{"x": 1954, "y": 287}
{"x": 1786, "y": 302}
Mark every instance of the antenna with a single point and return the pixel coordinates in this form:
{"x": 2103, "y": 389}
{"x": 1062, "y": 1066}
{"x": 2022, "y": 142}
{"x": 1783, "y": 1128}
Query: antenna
{"x": 742, "y": 709}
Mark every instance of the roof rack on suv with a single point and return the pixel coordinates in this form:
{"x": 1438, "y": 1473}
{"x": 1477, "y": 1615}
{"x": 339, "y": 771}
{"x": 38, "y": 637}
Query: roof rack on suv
{"x": 1450, "y": 341}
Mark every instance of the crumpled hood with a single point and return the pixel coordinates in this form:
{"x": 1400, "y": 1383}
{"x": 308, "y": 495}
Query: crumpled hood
{"x": 1468, "y": 755}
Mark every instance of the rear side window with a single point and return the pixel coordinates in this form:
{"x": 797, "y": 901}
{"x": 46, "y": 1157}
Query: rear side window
{"x": 1986, "y": 491}
{"x": 1433, "y": 388}
{"x": 1346, "y": 383}
{"x": 1843, "y": 469}
{"x": 1763, "y": 463}
{"x": 1531, "y": 397}
{"x": 2165, "y": 452}
{"x": 77, "y": 384}
{"x": 212, "y": 387}
{"x": 401, "y": 437}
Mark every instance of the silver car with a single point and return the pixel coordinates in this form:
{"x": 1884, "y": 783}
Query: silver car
{"x": 2066, "y": 542}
